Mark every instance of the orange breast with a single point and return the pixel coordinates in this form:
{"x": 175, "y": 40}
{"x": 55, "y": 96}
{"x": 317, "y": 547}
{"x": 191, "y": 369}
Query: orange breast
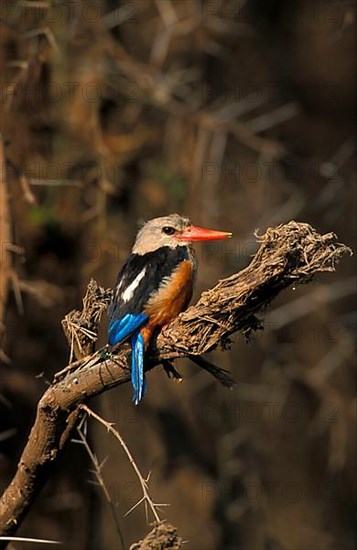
{"x": 172, "y": 297}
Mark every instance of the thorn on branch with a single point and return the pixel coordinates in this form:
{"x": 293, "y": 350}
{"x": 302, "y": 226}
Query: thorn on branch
{"x": 146, "y": 499}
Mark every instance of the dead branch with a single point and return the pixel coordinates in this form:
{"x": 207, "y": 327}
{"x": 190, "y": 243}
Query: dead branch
{"x": 288, "y": 254}
{"x": 146, "y": 499}
{"x": 163, "y": 535}
{"x": 97, "y": 472}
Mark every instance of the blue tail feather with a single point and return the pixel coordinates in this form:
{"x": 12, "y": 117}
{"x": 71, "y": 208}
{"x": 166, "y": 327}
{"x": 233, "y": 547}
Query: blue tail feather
{"x": 137, "y": 366}
{"x": 120, "y": 329}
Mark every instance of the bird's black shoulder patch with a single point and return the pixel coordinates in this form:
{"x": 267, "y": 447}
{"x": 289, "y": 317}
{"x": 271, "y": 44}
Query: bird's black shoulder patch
{"x": 157, "y": 264}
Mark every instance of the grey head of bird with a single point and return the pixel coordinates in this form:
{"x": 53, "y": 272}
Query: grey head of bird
{"x": 172, "y": 231}
{"x": 159, "y": 232}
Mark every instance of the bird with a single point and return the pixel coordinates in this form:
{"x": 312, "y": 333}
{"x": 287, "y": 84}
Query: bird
{"x": 154, "y": 285}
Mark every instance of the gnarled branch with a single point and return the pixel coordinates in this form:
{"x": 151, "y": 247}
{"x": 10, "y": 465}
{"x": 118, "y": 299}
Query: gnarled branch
{"x": 288, "y": 254}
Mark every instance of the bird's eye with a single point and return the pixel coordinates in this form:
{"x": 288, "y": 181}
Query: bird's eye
{"x": 168, "y": 230}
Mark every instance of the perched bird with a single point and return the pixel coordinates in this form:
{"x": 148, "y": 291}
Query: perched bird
{"x": 154, "y": 285}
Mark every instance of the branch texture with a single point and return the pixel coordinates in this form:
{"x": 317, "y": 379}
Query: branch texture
{"x": 162, "y": 536}
{"x": 288, "y": 254}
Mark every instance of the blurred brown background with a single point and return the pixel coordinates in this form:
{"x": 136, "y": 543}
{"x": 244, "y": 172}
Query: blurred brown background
{"x": 239, "y": 114}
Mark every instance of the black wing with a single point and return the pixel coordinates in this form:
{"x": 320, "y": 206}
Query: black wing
{"x": 158, "y": 265}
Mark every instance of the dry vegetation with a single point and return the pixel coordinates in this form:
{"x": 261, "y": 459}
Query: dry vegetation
{"x": 237, "y": 113}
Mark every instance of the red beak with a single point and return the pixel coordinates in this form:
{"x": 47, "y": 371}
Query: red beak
{"x": 194, "y": 233}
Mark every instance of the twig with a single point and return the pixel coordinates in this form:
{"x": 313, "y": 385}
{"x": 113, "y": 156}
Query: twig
{"x": 46, "y": 31}
{"x": 98, "y": 474}
{"x": 27, "y": 539}
{"x": 220, "y": 374}
{"x": 262, "y": 123}
{"x": 143, "y": 482}
{"x": 28, "y": 195}
{"x": 171, "y": 371}
{"x": 158, "y": 88}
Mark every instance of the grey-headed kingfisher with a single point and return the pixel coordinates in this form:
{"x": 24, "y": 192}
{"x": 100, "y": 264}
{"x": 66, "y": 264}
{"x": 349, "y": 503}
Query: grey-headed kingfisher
{"x": 154, "y": 285}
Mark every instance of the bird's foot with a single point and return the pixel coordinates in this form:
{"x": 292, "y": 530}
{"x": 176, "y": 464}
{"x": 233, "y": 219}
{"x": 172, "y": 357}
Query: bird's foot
{"x": 106, "y": 353}
{"x": 171, "y": 371}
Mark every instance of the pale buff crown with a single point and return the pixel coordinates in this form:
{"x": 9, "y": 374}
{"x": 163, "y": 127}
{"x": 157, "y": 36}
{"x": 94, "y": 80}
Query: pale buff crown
{"x": 152, "y": 235}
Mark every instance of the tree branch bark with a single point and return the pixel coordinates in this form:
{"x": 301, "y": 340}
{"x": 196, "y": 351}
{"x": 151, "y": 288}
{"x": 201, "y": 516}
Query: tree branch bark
{"x": 288, "y": 254}
{"x": 163, "y": 535}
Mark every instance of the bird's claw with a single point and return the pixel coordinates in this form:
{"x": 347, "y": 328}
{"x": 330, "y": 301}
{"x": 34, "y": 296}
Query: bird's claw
{"x": 171, "y": 371}
{"x": 106, "y": 353}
